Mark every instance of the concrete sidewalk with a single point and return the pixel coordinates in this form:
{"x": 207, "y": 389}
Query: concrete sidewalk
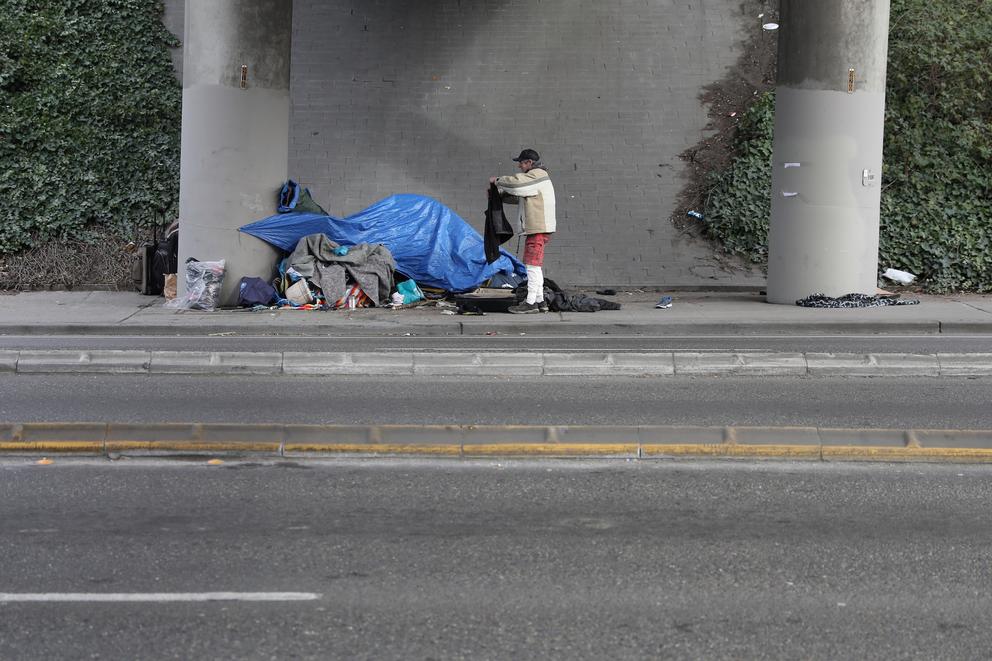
{"x": 692, "y": 314}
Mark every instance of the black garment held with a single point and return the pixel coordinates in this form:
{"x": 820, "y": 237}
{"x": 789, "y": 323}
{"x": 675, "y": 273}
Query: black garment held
{"x": 498, "y": 229}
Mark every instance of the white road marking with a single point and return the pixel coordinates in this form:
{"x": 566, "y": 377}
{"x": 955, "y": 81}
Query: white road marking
{"x": 9, "y": 597}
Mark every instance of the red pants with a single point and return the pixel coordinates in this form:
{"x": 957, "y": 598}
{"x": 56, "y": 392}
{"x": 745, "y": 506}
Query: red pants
{"x": 534, "y": 249}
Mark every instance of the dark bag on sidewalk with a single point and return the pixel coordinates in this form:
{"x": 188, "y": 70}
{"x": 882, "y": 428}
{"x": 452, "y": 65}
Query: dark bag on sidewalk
{"x": 255, "y": 291}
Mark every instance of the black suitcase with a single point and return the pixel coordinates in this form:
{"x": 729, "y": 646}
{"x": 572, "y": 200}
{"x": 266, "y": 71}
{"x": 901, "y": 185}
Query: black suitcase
{"x": 153, "y": 261}
{"x": 141, "y": 270}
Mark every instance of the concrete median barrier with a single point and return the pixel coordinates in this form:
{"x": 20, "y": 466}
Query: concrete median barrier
{"x": 318, "y": 364}
{"x": 8, "y": 361}
{"x": 116, "y": 440}
{"x": 341, "y": 363}
{"x": 382, "y": 363}
{"x": 376, "y": 440}
{"x": 609, "y": 364}
{"x": 577, "y": 364}
{"x": 740, "y": 364}
{"x": 875, "y": 364}
{"x": 216, "y": 362}
{"x": 477, "y": 364}
{"x": 754, "y": 442}
{"x": 498, "y": 363}
{"x": 192, "y": 439}
{"x": 557, "y": 441}
{"x": 83, "y": 438}
{"x": 965, "y": 364}
{"x": 643, "y": 364}
{"x": 97, "y": 361}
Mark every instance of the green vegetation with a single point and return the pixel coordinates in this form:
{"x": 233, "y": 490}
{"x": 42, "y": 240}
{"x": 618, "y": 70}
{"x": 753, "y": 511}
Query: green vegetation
{"x": 937, "y": 179}
{"x": 738, "y": 202}
{"x": 90, "y": 114}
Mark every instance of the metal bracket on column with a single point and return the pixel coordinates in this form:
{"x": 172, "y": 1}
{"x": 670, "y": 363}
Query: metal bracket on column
{"x": 244, "y": 76}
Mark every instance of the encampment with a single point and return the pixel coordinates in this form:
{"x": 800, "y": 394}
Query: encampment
{"x": 429, "y": 242}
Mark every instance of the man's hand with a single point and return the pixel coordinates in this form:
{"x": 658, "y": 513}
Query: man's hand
{"x": 492, "y": 180}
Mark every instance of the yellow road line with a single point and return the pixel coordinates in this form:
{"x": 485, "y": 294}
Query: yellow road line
{"x": 914, "y": 453}
{"x": 226, "y": 442}
{"x": 64, "y": 447}
{"x": 192, "y": 446}
{"x": 730, "y": 450}
{"x": 549, "y": 449}
{"x": 371, "y": 448}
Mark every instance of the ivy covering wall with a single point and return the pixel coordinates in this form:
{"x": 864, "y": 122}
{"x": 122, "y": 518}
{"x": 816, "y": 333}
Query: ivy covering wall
{"x": 936, "y": 213}
{"x": 90, "y": 116}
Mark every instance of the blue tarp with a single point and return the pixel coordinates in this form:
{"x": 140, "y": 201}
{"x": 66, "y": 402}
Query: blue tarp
{"x": 429, "y": 241}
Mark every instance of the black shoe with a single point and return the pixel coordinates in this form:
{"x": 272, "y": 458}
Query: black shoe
{"x": 524, "y": 308}
{"x": 543, "y": 306}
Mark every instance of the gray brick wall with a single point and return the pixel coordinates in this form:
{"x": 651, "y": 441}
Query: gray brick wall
{"x": 174, "y": 19}
{"x": 433, "y": 97}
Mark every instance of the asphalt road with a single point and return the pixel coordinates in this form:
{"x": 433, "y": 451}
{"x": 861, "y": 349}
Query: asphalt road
{"x": 784, "y": 343}
{"x": 922, "y": 403}
{"x": 497, "y": 560}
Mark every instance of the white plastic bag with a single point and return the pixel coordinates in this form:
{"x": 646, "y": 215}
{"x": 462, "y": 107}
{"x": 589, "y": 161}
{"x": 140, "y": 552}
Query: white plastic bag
{"x": 901, "y": 277}
{"x": 203, "y": 284}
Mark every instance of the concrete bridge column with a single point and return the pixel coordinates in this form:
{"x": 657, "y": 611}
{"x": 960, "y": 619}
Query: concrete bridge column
{"x": 829, "y": 120}
{"x": 235, "y": 133}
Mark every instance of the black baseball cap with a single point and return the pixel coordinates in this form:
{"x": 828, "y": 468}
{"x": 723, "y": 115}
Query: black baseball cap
{"x": 528, "y": 155}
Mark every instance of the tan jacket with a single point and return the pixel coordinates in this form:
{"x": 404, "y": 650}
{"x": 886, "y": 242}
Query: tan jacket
{"x": 534, "y": 195}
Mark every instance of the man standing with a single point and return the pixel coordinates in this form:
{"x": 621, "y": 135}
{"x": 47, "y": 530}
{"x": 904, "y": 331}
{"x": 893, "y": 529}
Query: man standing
{"x": 532, "y": 192}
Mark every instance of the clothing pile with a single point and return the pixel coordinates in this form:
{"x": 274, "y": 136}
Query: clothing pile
{"x": 559, "y": 300}
{"x": 321, "y": 274}
{"x": 335, "y": 271}
{"x": 853, "y": 301}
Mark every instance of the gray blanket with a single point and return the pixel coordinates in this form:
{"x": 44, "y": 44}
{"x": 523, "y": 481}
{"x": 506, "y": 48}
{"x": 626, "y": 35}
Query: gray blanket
{"x": 371, "y": 266}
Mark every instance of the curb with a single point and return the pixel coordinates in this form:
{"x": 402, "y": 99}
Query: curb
{"x": 615, "y": 364}
{"x": 112, "y": 440}
{"x": 568, "y": 327}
